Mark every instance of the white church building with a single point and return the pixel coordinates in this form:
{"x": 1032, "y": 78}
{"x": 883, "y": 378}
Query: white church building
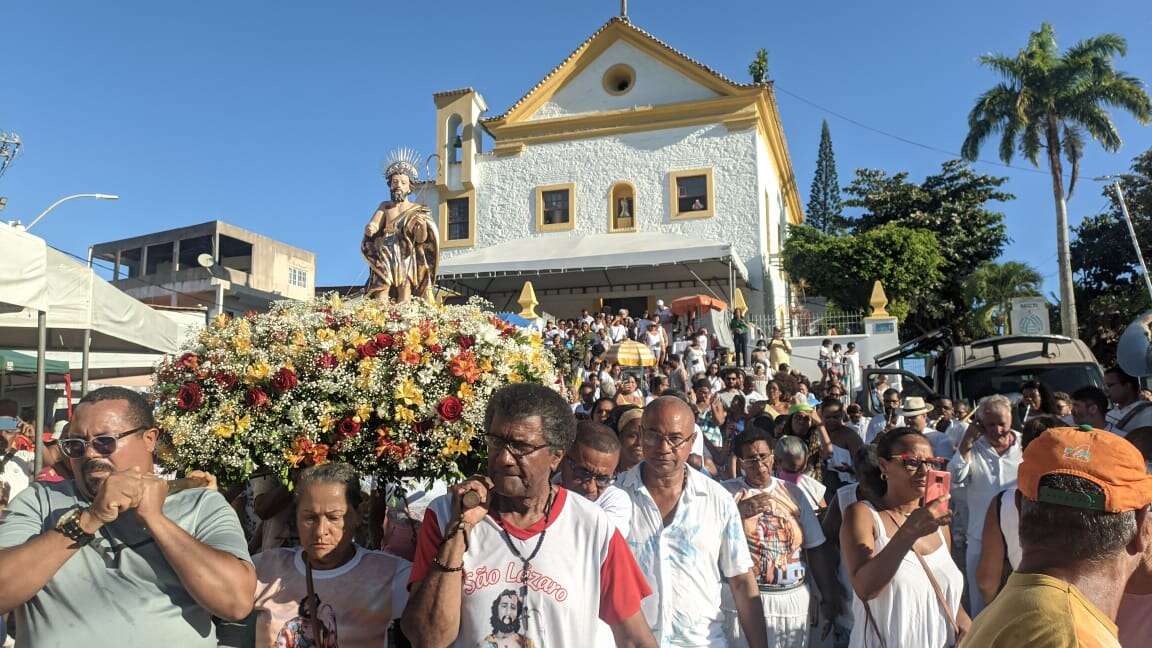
{"x": 630, "y": 173}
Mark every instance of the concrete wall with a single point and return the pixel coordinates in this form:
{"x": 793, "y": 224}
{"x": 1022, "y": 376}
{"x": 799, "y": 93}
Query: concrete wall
{"x": 655, "y": 83}
{"x": 806, "y": 350}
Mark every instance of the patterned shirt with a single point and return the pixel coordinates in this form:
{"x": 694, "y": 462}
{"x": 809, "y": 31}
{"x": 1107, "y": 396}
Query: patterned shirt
{"x": 687, "y": 561}
{"x": 778, "y": 534}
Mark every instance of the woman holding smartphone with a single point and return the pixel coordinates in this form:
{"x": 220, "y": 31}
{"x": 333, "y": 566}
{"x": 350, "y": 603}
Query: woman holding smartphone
{"x": 906, "y": 587}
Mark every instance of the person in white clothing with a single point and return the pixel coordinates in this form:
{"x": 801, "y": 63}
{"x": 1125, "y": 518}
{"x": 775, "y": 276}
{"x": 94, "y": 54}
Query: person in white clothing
{"x": 890, "y": 403}
{"x": 895, "y": 546}
{"x": 986, "y": 462}
{"x": 688, "y": 538}
{"x": 589, "y": 469}
{"x": 786, "y": 541}
{"x": 1001, "y": 534}
{"x": 1130, "y": 412}
{"x": 915, "y": 413}
{"x": 358, "y": 592}
{"x": 854, "y": 376}
{"x": 530, "y": 564}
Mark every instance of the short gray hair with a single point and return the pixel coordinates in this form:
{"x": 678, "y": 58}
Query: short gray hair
{"x": 525, "y": 400}
{"x": 791, "y": 447}
{"x": 332, "y": 473}
{"x": 1074, "y": 535}
{"x": 996, "y": 402}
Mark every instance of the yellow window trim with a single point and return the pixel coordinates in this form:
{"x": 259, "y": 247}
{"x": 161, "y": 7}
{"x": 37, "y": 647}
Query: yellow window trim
{"x": 558, "y": 227}
{"x": 612, "y": 208}
{"x": 445, "y": 243}
{"x": 674, "y": 196}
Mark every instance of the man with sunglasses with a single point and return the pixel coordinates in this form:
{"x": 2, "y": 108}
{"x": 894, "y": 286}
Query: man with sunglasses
{"x": 589, "y": 468}
{"x": 568, "y": 565}
{"x": 107, "y": 559}
{"x": 688, "y": 537}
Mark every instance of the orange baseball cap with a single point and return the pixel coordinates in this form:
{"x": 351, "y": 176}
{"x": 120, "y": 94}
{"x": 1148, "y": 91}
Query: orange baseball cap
{"x": 1103, "y": 458}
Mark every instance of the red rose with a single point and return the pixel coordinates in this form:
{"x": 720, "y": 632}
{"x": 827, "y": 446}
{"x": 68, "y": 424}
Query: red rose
{"x": 284, "y": 379}
{"x": 327, "y": 361}
{"x": 348, "y": 427}
{"x": 466, "y": 342}
{"x": 190, "y": 361}
{"x": 190, "y": 397}
{"x": 450, "y": 408}
{"x": 368, "y": 350}
{"x": 256, "y": 398}
{"x": 435, "y": 348}
{"x": 225, "y": 379}
{"x": 384, "y": 340}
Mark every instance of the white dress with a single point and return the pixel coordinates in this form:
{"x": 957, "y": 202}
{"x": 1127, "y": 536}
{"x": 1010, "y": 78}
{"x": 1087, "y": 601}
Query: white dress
{"x": 906, "y": 612}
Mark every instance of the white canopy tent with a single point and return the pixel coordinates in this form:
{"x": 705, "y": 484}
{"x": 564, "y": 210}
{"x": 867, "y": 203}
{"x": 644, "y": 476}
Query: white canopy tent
{"x": 50, "y": 301}
{"x": 563, "y": 265}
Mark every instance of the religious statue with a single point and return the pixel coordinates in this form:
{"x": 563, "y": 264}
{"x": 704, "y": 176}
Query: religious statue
{"x": 401, "y": 243}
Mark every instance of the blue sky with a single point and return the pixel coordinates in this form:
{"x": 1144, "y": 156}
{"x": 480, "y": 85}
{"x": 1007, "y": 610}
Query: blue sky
{"x": 275, "y": 116}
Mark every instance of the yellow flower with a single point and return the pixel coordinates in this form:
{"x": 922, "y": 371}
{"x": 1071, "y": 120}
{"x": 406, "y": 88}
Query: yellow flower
{"x": 327, "y": 421}
{"x": 359, "y": 339}
{"x": 413, "y": 338}
{"x": 486, "y": 365}
{"x": 432, "y": 338}
{"x": 241, "y": 345}
{"x": 224, "y": 430}
{"x": 405, "y": 415}
{"x": 515, "y": 377}
{"x": 243, "y": 423}
{"x": 257, "y": 372}
{"x": 325, "y": 334}
{"x": 466, "y": 393}
{"x": 220, "y": 321}
{"x": 364, "y": 411}
{"x": 335, "y": 302}
{"x": 453, "y": 447}
{"x": 299, "y": 339}
{"x": 409, "y": 393}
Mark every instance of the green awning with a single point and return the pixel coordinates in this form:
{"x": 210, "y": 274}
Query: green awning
{"x": 16, "y": 362}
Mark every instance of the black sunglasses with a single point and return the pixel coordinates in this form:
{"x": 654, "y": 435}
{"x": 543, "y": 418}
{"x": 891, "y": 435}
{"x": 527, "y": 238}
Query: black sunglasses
{"x": 104, "y": 445}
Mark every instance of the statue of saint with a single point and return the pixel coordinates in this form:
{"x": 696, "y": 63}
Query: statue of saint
{"x": 401, "y": 243}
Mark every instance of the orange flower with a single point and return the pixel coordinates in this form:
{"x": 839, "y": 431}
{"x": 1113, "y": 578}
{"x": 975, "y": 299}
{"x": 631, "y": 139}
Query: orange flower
{"x": 410, "y": 356}
{"x": 319, "y": 454}
{"x": 464, "y": 366}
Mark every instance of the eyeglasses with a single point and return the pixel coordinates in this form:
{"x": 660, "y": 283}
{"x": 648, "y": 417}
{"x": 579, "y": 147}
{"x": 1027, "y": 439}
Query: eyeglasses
{"x": 105, "y": 445}
{"x": 757, "y": 459}
{"x": 583, "y": 475}
{"x": 913, "y": 464}
{"x": 517, "y": 449}
{"x": 655, "y": 439}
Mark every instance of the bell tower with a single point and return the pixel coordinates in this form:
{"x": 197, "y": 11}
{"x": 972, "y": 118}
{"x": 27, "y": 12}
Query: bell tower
{"x": 457, "y": 137}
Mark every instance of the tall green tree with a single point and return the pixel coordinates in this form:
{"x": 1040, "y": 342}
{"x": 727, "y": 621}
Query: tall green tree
{"x": 1045, "y": 102}
{"x": 758, "y": 68}
{"x": 825, "y": 209}
{"x": 842, "y": 268}
{"x": 1110, "y": 292}
{"x": 990, "y": 290}
{"x": 954, "y": 205}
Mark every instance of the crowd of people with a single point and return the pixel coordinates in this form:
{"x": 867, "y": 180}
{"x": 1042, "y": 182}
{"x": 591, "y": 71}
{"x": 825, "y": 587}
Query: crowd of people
{"x": 702, "y": 505}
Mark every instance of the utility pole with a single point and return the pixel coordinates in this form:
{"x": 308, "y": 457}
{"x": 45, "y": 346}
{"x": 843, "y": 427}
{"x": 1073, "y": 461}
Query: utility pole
{"x": 1132, "y": 233}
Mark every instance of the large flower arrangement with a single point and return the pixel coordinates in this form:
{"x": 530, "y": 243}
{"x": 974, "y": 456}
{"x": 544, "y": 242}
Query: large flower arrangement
{"x": 396, "y": 390}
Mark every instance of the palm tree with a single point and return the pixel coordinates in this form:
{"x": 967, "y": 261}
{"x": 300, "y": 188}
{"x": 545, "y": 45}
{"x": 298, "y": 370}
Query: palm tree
{"x": 1045, "y": 102}
{"x": 991, "y": 288}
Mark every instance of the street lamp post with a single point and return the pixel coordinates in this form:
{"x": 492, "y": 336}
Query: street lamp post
{"x": 97, "y": 196}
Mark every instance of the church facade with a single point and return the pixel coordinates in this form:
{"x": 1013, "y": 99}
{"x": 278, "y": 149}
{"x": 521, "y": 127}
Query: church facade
{"x": 630, "y": 173}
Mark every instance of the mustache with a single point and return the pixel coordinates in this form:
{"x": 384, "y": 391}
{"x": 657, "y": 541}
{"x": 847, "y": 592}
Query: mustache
{"x": 97, "y": 465}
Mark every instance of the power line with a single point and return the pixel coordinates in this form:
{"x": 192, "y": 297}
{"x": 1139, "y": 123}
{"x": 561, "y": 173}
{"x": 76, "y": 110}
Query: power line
{"x": 899, "y": 138}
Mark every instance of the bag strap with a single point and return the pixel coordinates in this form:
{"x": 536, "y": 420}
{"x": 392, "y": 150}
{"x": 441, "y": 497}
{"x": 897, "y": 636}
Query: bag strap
{"x": 939, "y": 595}
{"x": 869, "y": 620}
{"x": 1140, "y": 407}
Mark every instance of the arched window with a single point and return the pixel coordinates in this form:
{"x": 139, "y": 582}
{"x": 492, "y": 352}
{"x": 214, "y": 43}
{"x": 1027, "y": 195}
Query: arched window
{"x": 455, "y": 140}
{"x": 622, "y": 208}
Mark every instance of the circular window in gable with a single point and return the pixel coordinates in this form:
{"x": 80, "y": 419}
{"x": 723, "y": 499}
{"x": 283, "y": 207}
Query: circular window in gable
{"x": 619, "y": 79}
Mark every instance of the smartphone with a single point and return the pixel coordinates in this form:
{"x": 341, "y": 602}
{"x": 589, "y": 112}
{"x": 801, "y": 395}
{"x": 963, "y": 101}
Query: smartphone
{"x": 939, "y": 485}
{"x": 9, "y": 423}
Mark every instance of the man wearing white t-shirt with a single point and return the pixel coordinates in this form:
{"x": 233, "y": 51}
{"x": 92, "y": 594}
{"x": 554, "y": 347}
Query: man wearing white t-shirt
{"x": 888, "y": 419}
{"x": 589, "y": 468}
{"x": 687, "y": 536}
{"x": 531, "y": 564}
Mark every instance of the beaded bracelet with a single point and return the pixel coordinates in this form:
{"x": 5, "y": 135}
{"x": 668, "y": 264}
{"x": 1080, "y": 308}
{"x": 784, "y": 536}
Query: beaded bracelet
{"x": 445, "y": 568}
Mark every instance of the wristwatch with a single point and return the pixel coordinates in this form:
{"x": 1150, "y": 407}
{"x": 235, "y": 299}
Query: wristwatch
{"x": 69, "y": 526}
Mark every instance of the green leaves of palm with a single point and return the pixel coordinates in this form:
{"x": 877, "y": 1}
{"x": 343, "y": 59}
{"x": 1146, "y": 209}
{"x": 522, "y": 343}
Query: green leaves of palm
{"x": 1047, "y": 99}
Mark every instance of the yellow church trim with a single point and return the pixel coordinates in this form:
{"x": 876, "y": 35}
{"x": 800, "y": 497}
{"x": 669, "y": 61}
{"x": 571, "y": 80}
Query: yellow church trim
{"x": 739, "y": 106}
